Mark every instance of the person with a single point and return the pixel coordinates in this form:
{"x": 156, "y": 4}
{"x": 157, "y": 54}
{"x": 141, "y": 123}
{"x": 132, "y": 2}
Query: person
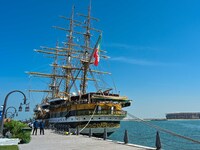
{"x": 35, "y": 126}
{"x": 42, "y": 127}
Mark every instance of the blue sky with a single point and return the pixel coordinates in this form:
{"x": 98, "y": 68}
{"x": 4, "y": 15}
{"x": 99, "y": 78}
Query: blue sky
{"x": 154, "y": 49}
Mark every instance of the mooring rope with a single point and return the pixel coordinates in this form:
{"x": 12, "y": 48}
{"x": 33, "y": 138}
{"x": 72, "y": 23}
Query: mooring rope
{"x": 89, "y": 120}
{"x": 165, "y": 130}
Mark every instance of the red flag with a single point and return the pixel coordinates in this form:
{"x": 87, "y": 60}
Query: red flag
{"x": 97, "y": 55}
{"x": 97, "y": 51}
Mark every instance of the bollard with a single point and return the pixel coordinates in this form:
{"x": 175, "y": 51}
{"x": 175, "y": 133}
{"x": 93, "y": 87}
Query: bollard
{"x": 77, "y": 130}
{"x": 67, "y": 128}
{"x": 90, "y": 132}
{"x": 158, "y": 143}
{"x": 125, "y": 137}
{"x": 105, "y": 134}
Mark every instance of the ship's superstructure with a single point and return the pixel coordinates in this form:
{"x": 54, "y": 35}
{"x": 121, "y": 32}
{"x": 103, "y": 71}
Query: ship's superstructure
{"x": 69, "y": 104}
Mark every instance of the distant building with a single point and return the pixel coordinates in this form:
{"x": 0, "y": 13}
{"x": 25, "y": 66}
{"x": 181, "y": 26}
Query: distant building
{"x": 183, "y": 115}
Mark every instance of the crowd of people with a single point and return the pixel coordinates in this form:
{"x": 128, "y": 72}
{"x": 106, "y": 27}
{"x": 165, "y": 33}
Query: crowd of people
{"x": 40, "y": 125}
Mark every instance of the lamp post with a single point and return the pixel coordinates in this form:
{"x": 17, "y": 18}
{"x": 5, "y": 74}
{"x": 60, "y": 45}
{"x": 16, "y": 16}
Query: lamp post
{"x": 15, "y": 113}
{"x": 4, "y": 106}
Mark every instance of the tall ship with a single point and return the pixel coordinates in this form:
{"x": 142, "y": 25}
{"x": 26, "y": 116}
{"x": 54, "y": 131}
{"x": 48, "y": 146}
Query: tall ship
{"x": 77, "y": 97}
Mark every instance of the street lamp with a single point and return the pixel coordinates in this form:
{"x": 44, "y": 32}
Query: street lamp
{"x": 27, "y": 108}
{"x": 15, "y": 113}
{"x": 20, "y": 107}
{"x": 4, "y": 106}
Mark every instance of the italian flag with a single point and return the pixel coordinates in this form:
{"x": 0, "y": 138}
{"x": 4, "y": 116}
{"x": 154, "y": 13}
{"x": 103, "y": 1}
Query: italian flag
{"x": 97, "y": 53}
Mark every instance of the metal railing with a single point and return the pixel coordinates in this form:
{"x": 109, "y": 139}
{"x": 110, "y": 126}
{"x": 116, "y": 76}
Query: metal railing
{"x": 89, "y": 113}
{"x": 101, "y": 112}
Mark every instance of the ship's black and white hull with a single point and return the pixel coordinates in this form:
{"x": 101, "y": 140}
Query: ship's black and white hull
{"x": 83, "y": 124}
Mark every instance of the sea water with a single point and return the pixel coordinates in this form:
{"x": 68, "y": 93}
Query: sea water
{"x": 144, "y": 133}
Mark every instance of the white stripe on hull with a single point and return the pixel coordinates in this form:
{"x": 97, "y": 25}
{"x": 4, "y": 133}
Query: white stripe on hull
{"x": 85, "y": 119}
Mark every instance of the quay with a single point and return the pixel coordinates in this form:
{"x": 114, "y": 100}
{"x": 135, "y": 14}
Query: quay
{"x": 53, "y": 141}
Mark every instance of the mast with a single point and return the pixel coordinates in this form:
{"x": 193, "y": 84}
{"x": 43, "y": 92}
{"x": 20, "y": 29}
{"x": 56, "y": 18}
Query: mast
{"x": 68, "y": 52}
{"x": 87, "y": 36}
{"x": 88, "y": 51}
{"x": 54, "y": 89}
{"x": 53, "y": 86}
{"x": 76, "y": 58}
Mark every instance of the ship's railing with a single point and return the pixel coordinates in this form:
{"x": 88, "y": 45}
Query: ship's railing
{"x": 89, "y": 113}
{"x": 101, "y": 112}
